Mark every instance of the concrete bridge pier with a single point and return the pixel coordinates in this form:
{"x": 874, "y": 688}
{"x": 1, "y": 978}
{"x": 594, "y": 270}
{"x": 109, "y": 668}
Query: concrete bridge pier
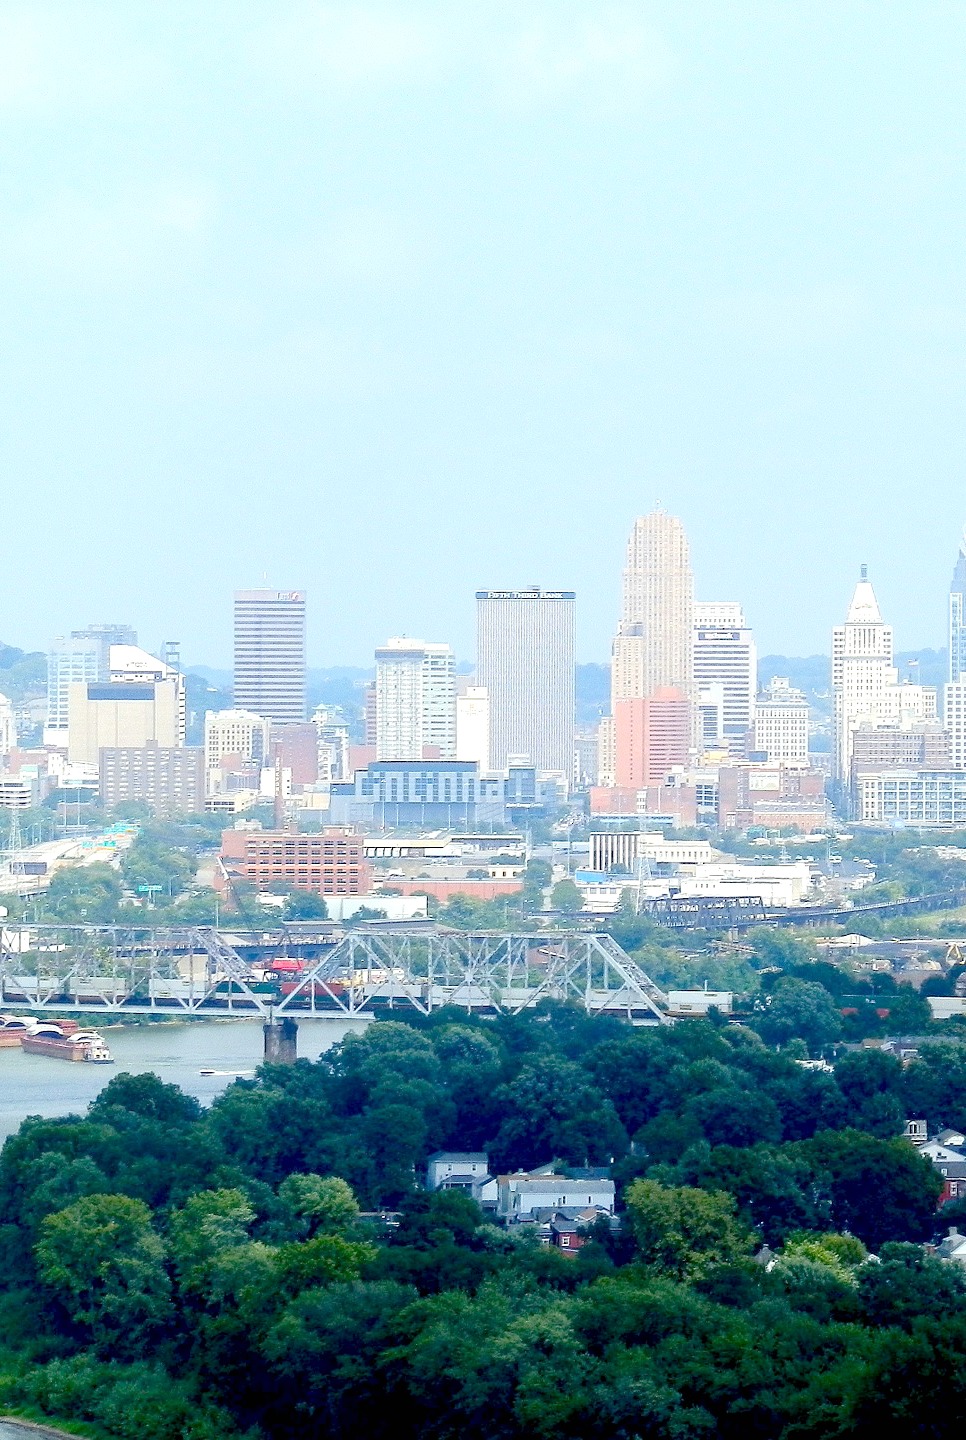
{"x": 281, "y": 1041}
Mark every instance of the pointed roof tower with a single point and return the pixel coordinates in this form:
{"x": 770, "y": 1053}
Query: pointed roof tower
{"x": 864, "y": 609}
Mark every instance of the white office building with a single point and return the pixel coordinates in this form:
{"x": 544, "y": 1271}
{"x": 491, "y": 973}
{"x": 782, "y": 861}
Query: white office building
{"x": 525, "y": 662}
{"x": 270, "y": 653}
{"x": 415, "y": 701}
{"x": 130, "y": 665}
{"x": 957, "y": 618}
{"x": 473, "y": 726}
{"x": 68, "y": 662}
{"x": 954, "y": 719}
{"x": 725, "y": 655}
{"x": 781, "y": 725}
{"x": 8, "y": 726}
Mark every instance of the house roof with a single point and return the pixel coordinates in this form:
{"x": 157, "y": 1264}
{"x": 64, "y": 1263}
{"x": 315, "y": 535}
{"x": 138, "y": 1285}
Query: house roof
{"x": 948, "y": 1137}
{"x": 552, "y": 1184}
{"x": 952, "y": 1245}
{"x": 951, "y": 1169}
{"x": 460, "y": 1157}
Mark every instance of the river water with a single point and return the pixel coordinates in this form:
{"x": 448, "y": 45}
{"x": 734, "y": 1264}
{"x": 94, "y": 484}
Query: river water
{"x": 177, "y": 1052}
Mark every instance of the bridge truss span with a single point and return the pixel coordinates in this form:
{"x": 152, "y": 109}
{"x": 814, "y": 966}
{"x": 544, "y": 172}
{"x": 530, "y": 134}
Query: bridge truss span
{"x": 115, "y": 970}
{"x": 486, "y": 972}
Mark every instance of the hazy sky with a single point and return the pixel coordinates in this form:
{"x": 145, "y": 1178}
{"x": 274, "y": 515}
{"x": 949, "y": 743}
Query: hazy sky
{"x": 392, "y": 301}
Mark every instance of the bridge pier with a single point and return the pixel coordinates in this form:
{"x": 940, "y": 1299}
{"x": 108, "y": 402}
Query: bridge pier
{"x": 281, "y": 1041}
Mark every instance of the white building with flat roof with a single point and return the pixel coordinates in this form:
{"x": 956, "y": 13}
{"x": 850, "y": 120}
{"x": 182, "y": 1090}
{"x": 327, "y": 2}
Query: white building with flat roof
{"x": 781, "y": 725}
{"x": 473, "y": 726}
{"x": 270, "y": 653}
{"x": 725, "y": 656}
{"x": 235, "y": 732}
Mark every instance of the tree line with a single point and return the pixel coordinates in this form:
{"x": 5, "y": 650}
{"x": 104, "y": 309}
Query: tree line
{"x": 169, "y": 1272}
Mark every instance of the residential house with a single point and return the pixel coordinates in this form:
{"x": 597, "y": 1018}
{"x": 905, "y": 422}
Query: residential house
{"x": 953, "y": 1247}
{"x": 520, "y": 1195}
{"x": 462, "y": 1170}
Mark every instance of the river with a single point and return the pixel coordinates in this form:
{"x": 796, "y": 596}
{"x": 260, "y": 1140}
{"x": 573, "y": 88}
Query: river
{"x": 39, "y": 1085}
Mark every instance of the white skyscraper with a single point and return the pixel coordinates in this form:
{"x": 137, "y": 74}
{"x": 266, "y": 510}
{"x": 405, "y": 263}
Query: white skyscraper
{"x": 653, "y": 647}
{"x": 862, "y": 672}
{"x": 270, "y": 653}
{"x": 8, "y": 726}
{"x": 415, "y": 701}
{"x": 725, "y": 655}
{"x": 525, "y": 662}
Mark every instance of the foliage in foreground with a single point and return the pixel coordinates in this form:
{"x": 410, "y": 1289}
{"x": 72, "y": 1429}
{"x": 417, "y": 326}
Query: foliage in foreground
{"x": 176, "y": 1274}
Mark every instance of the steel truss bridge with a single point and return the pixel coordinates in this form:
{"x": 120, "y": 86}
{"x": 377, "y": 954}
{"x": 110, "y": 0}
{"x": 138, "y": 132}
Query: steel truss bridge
{"x": 116, "y": 970}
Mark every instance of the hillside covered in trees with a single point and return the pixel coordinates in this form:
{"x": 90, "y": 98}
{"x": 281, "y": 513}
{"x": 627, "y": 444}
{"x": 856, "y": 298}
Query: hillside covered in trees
{"x": 170, "y": 1273}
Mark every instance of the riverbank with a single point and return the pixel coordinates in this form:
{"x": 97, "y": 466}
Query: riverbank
{"x": 15, "y": 1427}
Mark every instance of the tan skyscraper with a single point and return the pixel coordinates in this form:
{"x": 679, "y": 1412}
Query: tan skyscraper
{"x": 654, "y": 645}
{"x": 653, "y": 652}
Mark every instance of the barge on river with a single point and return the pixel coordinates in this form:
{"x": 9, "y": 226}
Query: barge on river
{"x": 81, "y": 1045}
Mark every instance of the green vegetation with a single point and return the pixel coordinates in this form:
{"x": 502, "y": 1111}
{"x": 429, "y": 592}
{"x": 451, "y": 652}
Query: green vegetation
{"x": 170, "y": 1272}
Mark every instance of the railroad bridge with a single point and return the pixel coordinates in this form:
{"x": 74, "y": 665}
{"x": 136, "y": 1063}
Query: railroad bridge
{"x": 315, "y": 971}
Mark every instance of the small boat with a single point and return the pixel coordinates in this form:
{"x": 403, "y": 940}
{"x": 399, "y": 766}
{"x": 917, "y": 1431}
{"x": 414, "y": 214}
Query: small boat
{"x": 206, "y": 1072}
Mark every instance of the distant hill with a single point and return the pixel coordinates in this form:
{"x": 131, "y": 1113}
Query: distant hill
{"x": 23, "y": 674}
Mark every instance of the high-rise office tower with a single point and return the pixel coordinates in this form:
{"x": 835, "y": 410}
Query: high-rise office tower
{"x": 525, "y": 662}
{"x": 654, "y": 645}
{"x": 653, "y": 652}
{"x": 415, "y": 701}
{"x": 725, "y": 655}
{"x": 863, "y": 675}
{"x": 957, "y": 618}
{"x": 83, "y": 657}
{"x": 270, "y": 653}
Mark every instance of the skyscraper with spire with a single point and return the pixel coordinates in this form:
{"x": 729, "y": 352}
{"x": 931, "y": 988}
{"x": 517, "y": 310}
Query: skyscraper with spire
{"x": 863, "y": 674}
{"x": 957, "y": 618}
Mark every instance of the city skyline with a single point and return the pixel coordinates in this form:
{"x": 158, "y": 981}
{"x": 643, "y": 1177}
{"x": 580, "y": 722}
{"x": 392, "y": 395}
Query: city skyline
{"x": 222, "y": 661}
{"x": 638, "y": 269}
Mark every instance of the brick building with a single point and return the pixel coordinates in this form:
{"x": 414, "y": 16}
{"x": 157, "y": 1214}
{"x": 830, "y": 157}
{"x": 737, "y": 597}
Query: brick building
{"x": 776, "y": 797}
{"x": 329, "y": 862}
{"x": 651, "y": 737}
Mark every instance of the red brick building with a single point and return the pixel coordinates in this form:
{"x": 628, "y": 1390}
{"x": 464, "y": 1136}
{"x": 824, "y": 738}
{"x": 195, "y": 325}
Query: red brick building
{"x": 651, "y": 737}
{"x": 296, "y": 747}
{"x": 328, "y": 862}
{"x": 772, "y": 796}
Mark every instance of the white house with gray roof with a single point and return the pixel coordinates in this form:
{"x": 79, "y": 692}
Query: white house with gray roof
{"x": 518, "y": 1196}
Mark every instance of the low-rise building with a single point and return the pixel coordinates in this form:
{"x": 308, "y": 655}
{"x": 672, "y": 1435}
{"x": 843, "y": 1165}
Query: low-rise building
{"x": 329, "y": 862}
{"x": 771, "y": 796}
{"x": 911, "y": 797}
{"x": 166, "y": 778}
{"x": 519, "y": 1195}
